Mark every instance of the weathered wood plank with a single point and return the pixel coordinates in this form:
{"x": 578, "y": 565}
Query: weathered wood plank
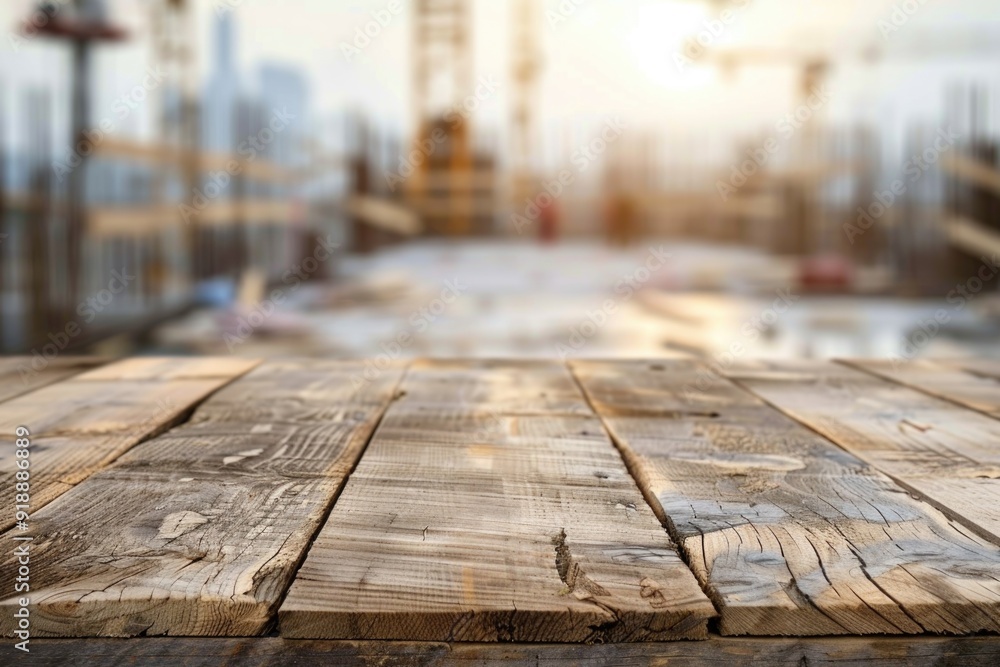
{"x": 790, "y": 534}
{"x": 491, "y": 506}
{"x": 721, "y": 651}
{"x": 945, "y": 453}
{"x": 21, "y": 375}
{"x": 82, "y": 424}
{"x": 947, "y": 380}
{"x": 199, "y": 531}
{"x": 987, "y": 368}
{"x": 172, "y": 368}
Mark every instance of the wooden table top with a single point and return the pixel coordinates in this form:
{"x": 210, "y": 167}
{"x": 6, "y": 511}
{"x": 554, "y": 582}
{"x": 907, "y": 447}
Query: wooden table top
{"x": 469, "y": 512}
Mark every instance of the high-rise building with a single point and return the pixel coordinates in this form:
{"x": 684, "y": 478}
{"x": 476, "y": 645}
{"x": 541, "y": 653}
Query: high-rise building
{"x": 284, "y": 88}
{"x": 223, "y": 89}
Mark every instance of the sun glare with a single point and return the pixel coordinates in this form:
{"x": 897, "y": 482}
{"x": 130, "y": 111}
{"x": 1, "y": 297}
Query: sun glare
{"x": 657, "y": 42}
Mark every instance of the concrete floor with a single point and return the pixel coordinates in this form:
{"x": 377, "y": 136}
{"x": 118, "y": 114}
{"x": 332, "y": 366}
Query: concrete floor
{"x": 496, "y": 299}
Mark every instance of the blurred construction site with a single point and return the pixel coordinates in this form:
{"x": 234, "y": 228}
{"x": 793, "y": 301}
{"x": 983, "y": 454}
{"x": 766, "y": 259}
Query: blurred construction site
{"x": 513, "y": 178}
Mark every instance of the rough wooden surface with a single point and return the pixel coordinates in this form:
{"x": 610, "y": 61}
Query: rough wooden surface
{"x": 723, "y": 652}
{"x": 171, "y": 368}
{"x": 941, "y": 451}
{"x": 82, "y": 424}
{"x": 943, "y": 379}
{"x": 20, "y": 375}
{"x": 199, "y": 531}
{"x": 491, "y": 506}
{"x": 790, "y": 534}
{"x": 987, "y": 368}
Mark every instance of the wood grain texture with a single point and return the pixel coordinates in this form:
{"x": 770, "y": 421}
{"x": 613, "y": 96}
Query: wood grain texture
{"x": 717, "y": 651}
{"x": 943, "y": 452}
{"x": 986, "y": 368}
{"x": 21, "y": 375}
{"x": 82, "y": 424}
{"x": 789, "y": 534}
{"x": 942, "y": 379}
{"x": 172, "y": 368}
{"x": 491, "y": 506}
{"x": 199, "y": 531}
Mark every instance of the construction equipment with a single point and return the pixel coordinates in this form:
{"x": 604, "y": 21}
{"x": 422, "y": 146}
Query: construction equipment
{"x": 172, "y": 25}
{"x": 446, "y": 188}
{"x": 83, "y": 24}
{"x": 815, "y": 66}
{"x": 442, "y": 80}
{"x": 526, "y": 69}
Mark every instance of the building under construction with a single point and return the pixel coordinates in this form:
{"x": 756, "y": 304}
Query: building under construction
{"x": 225, "y": 194}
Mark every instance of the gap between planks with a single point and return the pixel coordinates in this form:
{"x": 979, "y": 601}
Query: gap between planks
{"x": 492, "y": 506}
{"x": 194, "y": 533}
{"x": 929, "y": 576}
{"x": 937, "y": 447}
{"x": 397, "y": 394}
{"x": 955, "y": 382}
{"x": 32, "y": 379}
{"x": 81, "y": 424}
{"x": 649, "y": 497}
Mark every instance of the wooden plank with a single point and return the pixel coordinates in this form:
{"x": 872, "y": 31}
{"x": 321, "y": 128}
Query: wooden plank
{"x": 971, "y": 236}
{"x": 789, "y": 534}
{"x": 82, "y": 424}
{"x": 200, "y": 531}
{"x": 939, "y": 378}
{"x": 985, "y": 368}
{"x": 172, "y": 368}
{"x": 491, "y": 506}
{"x": 159, "y": 154}
{"x": 943, "y": 452}
{"x": 720, "y": 651}
{"x": 386, "y": 215}
{"x": 146, "y": 220}
{"x": 970, "y": 168}
{"x": 21, "y": 375}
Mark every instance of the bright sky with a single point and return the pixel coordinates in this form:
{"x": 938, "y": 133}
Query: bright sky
{"x": 608, "y": 57}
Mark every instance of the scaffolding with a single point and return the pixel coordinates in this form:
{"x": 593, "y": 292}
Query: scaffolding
{"x": 83, "y": 24}
{"x": 442, "y": 187}
{"x": 526, "y": 69}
